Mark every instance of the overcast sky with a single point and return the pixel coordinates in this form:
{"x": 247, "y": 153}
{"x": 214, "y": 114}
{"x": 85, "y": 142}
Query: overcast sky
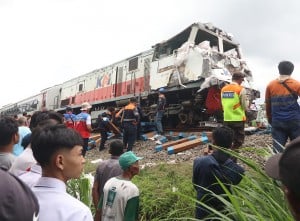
{"x": 46, "y": 42}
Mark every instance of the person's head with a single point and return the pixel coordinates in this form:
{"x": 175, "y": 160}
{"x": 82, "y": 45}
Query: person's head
{"x": 129, "y": 163}
{"x": 22, "y": 121}
{"x": 111, "y": 109}
{"x": 116, "y": 148}
{"x": 133, "y": 100}
{"x": 161, "y": 90}
{"x": 17, "y": 200}
{"x": 238, "y": 77}
{"x": 69, "y": 110}
{"x": 39, "y": 116}
{"x": 24, "y": 114}
{"x": 58, "y": 150}
{"x": 222, "y": 137}
{"x": 8, "y": 133}
{"x": 85, "y": 106}
{"x": 285, "y": 68}
{"x": 285, "y": 167}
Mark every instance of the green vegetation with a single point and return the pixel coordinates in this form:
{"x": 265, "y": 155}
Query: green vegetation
{"x": 167, "y": 193}
{"x": 81, "y": 189}
{"x": 158, "y": 190}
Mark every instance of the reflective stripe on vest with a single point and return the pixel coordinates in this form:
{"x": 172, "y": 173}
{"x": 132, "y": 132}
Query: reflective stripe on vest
{"x": 232, "y": 107}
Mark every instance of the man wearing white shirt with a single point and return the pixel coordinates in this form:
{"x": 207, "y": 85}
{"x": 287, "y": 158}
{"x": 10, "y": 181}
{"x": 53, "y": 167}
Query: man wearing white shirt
{"x": 58, "y": 150}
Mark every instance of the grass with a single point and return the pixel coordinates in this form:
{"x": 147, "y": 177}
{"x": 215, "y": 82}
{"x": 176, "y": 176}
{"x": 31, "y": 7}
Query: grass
{"x": 167, "y": 193}
{"x": 158, "y": 190}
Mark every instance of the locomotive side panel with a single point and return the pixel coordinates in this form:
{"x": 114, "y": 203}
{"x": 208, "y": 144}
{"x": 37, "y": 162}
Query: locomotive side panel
{"x": 51, "y": 97}
{"x": 31, "y": 104}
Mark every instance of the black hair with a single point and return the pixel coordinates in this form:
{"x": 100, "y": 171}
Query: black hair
{"x": 48, "y": 139}
{"x": 69, "y": 109}
{"x": 286, "y": 67}
{"x": 223, "y": 136}
{"x": 111, "y": 109}
{"x": 116, "y": 148}
{"x": 39, "y": 116}
{"x": 8, "y": 128}
{"x": 237, "y": 76}
{"x": 133, "y": 100}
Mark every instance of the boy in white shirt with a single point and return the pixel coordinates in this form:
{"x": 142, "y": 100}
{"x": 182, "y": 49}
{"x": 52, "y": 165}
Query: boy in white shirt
{"x": 58, "y": 150}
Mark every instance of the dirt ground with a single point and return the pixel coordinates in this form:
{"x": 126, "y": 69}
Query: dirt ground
{"x": 146, "y": 149}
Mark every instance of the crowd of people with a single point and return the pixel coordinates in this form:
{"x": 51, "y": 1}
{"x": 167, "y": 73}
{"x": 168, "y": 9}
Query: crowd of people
{"x": 38, "y": 156}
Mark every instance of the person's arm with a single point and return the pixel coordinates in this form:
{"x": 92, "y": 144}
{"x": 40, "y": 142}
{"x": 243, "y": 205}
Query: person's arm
{"x": 244, "y": 99}
{"x": 118, "y": 114}
{"x": 95, "y": 193}
{"x": 268, "y": 105}
{"x": 131, "y": 209}
{"x": 136, "y": 114}
{"x": 98, "y": 213}
{"x": 89, "y": 123}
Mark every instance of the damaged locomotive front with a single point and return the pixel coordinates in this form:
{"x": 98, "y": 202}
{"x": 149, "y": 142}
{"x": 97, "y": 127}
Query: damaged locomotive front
{"x": 192, "y": 67}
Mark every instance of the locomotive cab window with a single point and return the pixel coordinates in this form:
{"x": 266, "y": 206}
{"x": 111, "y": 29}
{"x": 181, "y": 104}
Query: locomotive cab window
{"x": 80, "y": 87}
{"x": 133, "y": 64}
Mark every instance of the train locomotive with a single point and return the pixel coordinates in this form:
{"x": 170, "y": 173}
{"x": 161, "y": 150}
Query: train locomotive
{"x": 191, "y": 66}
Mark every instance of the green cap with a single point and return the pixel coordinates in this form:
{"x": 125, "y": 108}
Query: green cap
{"x": 127, "y": 159}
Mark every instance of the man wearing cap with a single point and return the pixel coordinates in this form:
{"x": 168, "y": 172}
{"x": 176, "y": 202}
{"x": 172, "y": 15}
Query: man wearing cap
{"x": 282, "y": 108}
{"x": 235, "y": 103}
{"x": 120, "y": 198}
{"x": 69, "y": 118}
{"x": 285, "y": 167}
{"x": 83, "y": 125}
{"x": 161, "y": 105}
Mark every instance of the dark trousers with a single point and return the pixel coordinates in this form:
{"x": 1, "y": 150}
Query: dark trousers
{"x": 85, "y": 146}
{"x": 103, "y": 139}
{"x": 129, "y": 135}
{"x": 239, "y": 132}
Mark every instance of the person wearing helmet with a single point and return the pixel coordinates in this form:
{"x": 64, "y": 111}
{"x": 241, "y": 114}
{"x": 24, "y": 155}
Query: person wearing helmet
{"x": 161, "y": 105}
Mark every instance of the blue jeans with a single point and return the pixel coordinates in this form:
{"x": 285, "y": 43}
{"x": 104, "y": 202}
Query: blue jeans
{"x": 158, "y": 119}
{"x": 281, "y": 131}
